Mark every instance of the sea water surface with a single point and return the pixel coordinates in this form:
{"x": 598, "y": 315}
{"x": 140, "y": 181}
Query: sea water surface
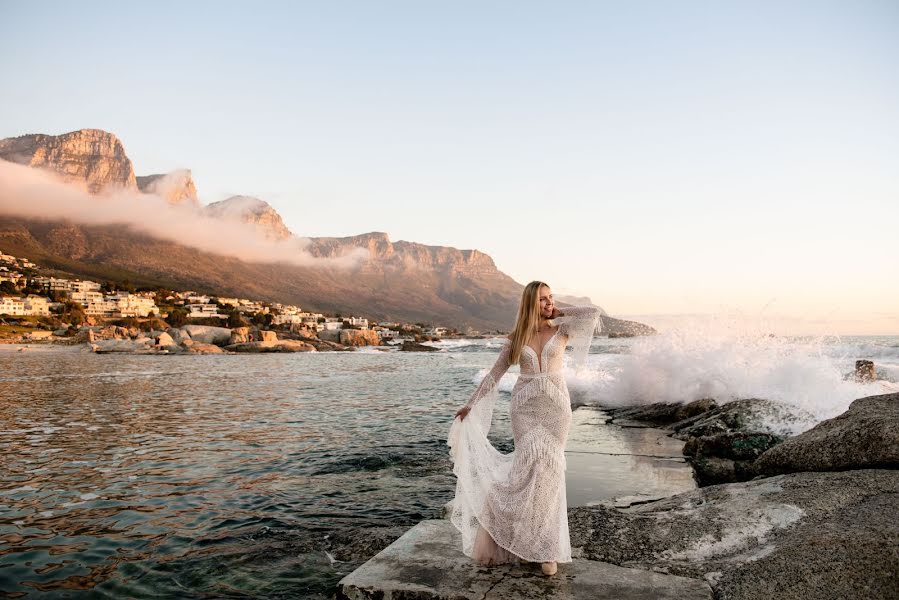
{"x": 232, "y": 475}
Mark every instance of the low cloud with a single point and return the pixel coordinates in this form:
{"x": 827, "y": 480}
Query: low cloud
{"x": 36, "y": 194}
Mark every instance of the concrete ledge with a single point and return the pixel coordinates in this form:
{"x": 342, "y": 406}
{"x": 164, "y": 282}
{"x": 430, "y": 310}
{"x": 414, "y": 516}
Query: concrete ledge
{"x": 427, "y": 563}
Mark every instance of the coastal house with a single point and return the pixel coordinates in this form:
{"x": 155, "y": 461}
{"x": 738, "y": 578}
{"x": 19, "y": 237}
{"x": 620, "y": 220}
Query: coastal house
{"x": 131, "y": 305}
{"x": 94, "y": 303}
{"x": 204, "y": 310}
{"x": 331, "y": 324}
{"x": 37, "y": 305}
{"x": 84, "y": 286}
{"x": 358, "y": 322}
{"x": 248, "y": 307}
{"x": 228, "y": 301}
{"x": 12, "y": 305}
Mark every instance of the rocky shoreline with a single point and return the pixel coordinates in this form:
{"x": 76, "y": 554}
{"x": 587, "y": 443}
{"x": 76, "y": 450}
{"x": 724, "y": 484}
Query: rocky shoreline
{"x": 805, "y": 516}
{"x": 205, "y": 339}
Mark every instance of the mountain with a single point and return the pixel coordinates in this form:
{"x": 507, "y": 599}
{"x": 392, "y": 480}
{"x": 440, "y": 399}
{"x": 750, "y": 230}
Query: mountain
{"x": 395, "y": 281}
{"x": 177, "y": 187}
{"x": 90, "y": 157}
{"x": 248, "y": 209}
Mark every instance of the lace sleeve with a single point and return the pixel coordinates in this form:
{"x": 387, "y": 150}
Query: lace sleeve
{"x": 488, "y": 385}
{"x": 579, "y": 323}
{"x": 482, "y": 401}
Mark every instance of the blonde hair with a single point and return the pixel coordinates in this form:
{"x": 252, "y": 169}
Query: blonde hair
{"x": 528, "y": 319}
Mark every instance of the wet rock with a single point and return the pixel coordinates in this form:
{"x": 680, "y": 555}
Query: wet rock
{"x": 662, "y": 413}
{"x": 275, "y": 346}
{"x": 864, "y": 372}
{"x": 409, "y": 346}
{"x": 735, "y": 445}
{"x": 727, "y": 457}
{"x": 865, "y": 436}
{"x": 201, "y": 348}
{"x": 353, "y": 545}
{"x": 794, "y": 536}
{"x": 748, "y": 415}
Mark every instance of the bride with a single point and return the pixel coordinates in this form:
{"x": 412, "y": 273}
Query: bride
{"x": 512, "y": 507}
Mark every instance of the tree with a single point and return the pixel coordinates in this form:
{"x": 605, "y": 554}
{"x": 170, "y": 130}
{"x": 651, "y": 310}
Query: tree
{"x": 8, "y": 288}
{"x": 73, "y": 313}
{"x": 177, "y": 317}
{"x": 235, "y": 319}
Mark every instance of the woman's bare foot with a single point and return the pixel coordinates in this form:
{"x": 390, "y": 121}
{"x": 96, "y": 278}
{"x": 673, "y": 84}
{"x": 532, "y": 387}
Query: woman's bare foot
{"x": 549, "y": 568}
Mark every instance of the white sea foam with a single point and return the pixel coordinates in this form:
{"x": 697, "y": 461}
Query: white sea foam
{"x": 715, "y": 359}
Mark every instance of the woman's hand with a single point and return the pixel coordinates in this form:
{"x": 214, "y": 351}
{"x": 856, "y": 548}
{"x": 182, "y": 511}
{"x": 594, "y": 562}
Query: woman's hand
{"x": 556, "y": 313}
{"x": 463, "y": 412}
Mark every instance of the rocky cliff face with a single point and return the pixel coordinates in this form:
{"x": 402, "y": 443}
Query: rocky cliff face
{"x": 177, "y": 187}
{"x": 88, "y": 157}
{"x": 400, "y": 281}
{"x": 406, "y": 255}
{"x": 250, "y": 210}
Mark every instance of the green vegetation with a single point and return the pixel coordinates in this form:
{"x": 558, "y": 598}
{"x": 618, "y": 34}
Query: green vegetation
{"x": 177, "y": 317}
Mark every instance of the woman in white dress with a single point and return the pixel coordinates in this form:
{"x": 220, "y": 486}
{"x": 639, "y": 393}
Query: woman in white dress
{"x": 512, "y": 507}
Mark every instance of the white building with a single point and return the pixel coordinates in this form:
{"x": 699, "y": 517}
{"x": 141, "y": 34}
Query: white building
{"x": 12, "y": 305}
{"x": 132, "y": 305}
{"x": 201, "y": 310}
{"x": 94, "y": 303}
{"x": 358, "y": 322}
{"x": 52, "y": 284}
{"x": 331, "y": 324}
{"x": 37, "y": 305}
{"x": 252, "y": 307}
{"x": 84, "y": 286}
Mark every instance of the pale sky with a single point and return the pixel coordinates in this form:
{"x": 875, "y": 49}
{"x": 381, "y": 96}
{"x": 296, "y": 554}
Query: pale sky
{"x": 659, "y": 157}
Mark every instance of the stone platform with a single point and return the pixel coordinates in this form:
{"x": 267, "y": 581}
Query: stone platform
{"x": 427, "y": 563}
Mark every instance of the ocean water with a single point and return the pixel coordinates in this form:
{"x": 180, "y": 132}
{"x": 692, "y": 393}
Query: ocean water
{"x": 251, "y": 475}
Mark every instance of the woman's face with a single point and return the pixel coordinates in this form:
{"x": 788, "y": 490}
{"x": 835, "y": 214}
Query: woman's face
{"x": 546, "y": 302}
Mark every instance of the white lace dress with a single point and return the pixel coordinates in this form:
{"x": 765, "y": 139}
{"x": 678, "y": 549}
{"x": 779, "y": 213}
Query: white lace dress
{"x": 512, "y": 507}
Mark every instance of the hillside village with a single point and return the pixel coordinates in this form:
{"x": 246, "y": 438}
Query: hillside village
{"x": 36, "y": 306}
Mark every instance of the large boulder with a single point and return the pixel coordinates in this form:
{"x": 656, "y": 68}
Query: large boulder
{"x": 865, "y": 436}
{"x": 141, "y": 345}
{"x": 178, "y": 335}
{"x": 359, "y": 337}
{"x": 662, "y": 413}
{"x": 267, "y": 336}
{"x": 164, "y": 340}
{"x": 790, "y": 537}
{"x": 409, "y": 346}
{"x": 201, "y": 348}
{"x": 727, "y": 457}
{"x": 207, "y": 334}
{"x": 754, "y": 415}
{"x": 239, "y": 335}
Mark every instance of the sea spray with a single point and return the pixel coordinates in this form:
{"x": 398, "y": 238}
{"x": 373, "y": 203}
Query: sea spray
{"x": 724, "y": 359}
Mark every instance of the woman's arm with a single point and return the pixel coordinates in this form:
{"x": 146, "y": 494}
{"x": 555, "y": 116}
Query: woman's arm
{"x": 491, "y": 380}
